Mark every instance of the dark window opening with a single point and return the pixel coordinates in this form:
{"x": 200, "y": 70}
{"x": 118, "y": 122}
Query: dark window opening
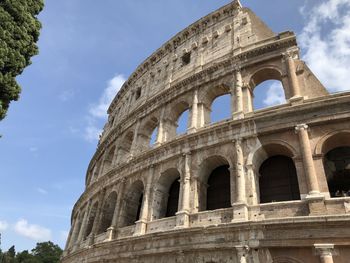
{"x": 219, "y": 192}
{"x": 139, "y": 207}
{"x": 337, "y": 167}
{"x": 278, "y": 180}
{"x": 173, "y": 199}
{"x": 186, "y": 58}
{"x": 138, "y": 94}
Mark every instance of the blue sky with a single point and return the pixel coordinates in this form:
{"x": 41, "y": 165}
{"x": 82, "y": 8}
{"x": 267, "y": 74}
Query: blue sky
{"x": 86, "y": 51}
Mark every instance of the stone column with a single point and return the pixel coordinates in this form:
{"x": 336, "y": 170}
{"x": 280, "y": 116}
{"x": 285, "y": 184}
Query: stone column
{"x": 160, "y": 134}
{"x": 112, "y": 231}
{"x": 182, "y": 217}
{"x": 194, "y": 112}
{"x": 325, "y": 251}
{"x": 134, "y": 145}
{"x": 240, "y": 181}
{"x": 308, "y": 162}
{"x": 237, "y": 96}
{"x": 98, "y": 216}
{"x": 253, "y": 181}
{"x": 293, "y": 78}
{"x": 242, "y": 253}
{"x": 141, "y": 224}
{"x": 84, "y": 223}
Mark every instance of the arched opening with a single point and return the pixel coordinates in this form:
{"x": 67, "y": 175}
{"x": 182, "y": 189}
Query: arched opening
{"x": 91, "y": 220}
{"x": 178, "y": 120}
{"x": 124, "y": 148}
{"x": 336, "y": 162}
{"x": 214, "y": 187}
{"x": 219, "y": 192}
{"x": 182, "y": 123}
{"x": 268, "y": 94}
{"x": 96, "y": 170}
{"x": 221, "y": 108}
{"x": 153, "y": 138}
{"x": 166, "y": 196}
{"x": 107, "y": 164}
{"x": 269, "y": 88}
{"x": 147, "y": 134}
{"x": 278, "y": 180}
{"x": 173, "y": 199}
{"x": 108, "y": 212}
{"x": 337, "y": 168}
{"x": 132, "y": 204}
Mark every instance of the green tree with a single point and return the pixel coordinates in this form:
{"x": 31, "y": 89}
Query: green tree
{"x": 19, "y": 32}
{"x": 47, "y": 252}
{"x": 26, "y": 257}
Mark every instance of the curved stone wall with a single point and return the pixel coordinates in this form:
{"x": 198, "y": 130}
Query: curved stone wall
{"x": 252, "y": 188}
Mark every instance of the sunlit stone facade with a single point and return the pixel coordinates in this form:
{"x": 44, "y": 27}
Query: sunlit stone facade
{"x": 264, "y": 186}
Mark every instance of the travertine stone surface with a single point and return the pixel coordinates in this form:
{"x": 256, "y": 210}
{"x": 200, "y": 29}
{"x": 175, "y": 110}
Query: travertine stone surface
{"x": 230, "y": 51}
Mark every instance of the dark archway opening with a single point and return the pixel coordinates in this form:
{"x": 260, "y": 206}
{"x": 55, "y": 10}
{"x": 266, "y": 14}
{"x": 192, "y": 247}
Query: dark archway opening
{"x": 278, "y": 180}
{"x": 173, "y": 199}
{"x": 337, "y": 167}
{"x": 219, "y": 192}
{"x": 107, "y": 213}
{"x": 139, "y": 207}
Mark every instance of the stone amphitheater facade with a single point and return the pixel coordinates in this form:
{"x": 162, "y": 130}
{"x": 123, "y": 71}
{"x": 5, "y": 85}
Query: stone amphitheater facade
{"x": 265, "y": 185}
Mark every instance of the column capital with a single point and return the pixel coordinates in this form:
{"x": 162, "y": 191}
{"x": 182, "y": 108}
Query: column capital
{"x": 324, "y": 249}
{"x": 237, "y": 68}
{"x": 301, "y": 127}
{"x": 186, "y": 153}
{"x": 242, "y": 249}
{"x": 291, "y": 54}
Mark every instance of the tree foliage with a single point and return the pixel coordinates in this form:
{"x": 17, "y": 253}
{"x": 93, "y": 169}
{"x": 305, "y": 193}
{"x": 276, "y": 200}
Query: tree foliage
{"x": 19, "y": 32}
{"x": 46, "y": 252}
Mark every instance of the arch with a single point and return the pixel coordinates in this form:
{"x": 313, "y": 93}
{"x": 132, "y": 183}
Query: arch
{"x": 146, "y": 131}
{"x": 273, "y": 147}
{"x": 214, "y": 170}
{"x": 91, "y": 219}
{"x": 166, "y": 196}
{"x": 211, "y": 93}
{"x": 332, "y": 140}
{"x": 132, "y": 204}
{"x": 269, "y": 93}
{"x": 124, "y": 146}
{"x": 334, "y": 148}
{"x": 267, "y": 73}
{"x": 263, "y": 73}
{"x": 262, "y": 153}
{"x": 108, "y": 160}
{"x": 108, "y": 212}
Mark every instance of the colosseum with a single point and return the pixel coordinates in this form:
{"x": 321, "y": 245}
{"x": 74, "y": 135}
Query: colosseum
{"x": 263, "y": 186}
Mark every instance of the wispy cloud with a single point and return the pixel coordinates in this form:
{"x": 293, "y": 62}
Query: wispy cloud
{"x": 98, "y": 111}
{"x": 42, "y": 191}
{"x": 274, "y": 95}
{"x": 66, "y": 95}
{"x": 31, "y": 231}
{"x": 326, "y": 42}
{"x": 3, "y": 225}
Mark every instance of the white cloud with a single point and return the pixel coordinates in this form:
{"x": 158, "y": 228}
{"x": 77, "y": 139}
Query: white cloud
{"x": 98, "y": 111}
{"x": 42, "y": 191}
{"x": 34, "y": 232}
{"x": 66, "y": 95}
{"x": 3, "y": 225}
{"x": 326, "y": 42}
{"x": 274, "y": 95}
